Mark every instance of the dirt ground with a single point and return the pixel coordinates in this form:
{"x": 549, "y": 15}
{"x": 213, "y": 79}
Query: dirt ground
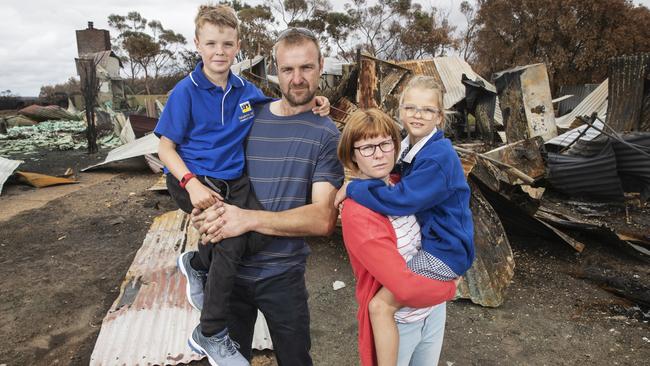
{"x": 63, "y": 258}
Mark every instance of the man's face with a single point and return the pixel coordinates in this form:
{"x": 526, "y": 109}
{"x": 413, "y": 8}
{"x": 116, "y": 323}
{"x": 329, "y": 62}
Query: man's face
{"x": 299, "y": 70}
{"x": 218, "y": 47}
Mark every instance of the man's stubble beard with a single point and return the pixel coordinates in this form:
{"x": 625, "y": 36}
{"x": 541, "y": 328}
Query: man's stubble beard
{"x": 298, "y": 102}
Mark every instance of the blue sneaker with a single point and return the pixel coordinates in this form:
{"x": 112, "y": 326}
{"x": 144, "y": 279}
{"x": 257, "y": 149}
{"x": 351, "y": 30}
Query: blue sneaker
{"x": 221, "y": 350}
{"x": 195, "y": 280}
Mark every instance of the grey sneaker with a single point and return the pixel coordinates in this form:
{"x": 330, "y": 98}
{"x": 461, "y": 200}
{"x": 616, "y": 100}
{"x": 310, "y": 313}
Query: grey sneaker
{"x": 220, "y": 351}
{"x": 195, "y": 280}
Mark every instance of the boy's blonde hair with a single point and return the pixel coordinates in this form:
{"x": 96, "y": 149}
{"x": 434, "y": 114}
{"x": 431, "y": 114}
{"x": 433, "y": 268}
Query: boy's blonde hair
{"x": 365, "y": 124}
{"x": 218, "y": 15}
{"x": 427, "y": 83}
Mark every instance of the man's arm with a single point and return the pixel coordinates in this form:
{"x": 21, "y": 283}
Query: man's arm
{"x": 317, "y": 218}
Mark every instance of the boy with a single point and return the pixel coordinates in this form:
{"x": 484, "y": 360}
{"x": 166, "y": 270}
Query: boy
{"x": 202, "y": 131}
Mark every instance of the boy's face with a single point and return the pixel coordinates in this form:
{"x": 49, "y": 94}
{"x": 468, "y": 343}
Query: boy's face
{"x": 218, "y": 47}
{"x": 420, "y": 112}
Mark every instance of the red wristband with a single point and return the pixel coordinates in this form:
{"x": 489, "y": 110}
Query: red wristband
{"x": 186, "y": 178}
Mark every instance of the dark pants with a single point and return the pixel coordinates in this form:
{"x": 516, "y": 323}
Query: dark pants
{"x": 283, "y": 301}
{"x": 220, "y": 260}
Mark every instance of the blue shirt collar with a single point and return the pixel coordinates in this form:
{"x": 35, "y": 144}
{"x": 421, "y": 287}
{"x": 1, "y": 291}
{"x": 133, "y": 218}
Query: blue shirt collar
{"x": 201, "y": 81}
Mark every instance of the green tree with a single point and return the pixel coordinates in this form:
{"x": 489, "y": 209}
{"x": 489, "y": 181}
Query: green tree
{"x": 145, "y": 46}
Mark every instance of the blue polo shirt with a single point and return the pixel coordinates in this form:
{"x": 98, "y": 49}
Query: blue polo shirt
{"x": 209, "y": 124}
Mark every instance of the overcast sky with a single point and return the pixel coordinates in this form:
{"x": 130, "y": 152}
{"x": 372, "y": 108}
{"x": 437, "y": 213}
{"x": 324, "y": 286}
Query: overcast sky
{"x": 37, "y": 38}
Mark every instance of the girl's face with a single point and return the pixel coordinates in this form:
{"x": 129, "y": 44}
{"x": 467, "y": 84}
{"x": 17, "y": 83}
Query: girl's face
{"x": 374, "y": 164}
{"x": 420, "y": 112}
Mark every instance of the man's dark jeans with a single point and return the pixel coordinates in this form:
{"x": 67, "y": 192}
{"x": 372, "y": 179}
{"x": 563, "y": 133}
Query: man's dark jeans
{"x": 283, "y": 301}
{"x": 222, "y": 259}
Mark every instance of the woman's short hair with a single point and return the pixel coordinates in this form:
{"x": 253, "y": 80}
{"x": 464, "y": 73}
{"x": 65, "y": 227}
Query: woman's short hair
{"x": 366, "y": 124}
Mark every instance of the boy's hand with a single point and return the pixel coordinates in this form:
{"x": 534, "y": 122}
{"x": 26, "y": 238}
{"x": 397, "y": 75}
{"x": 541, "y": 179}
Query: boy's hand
{"x": 322, "y": 107}
{"x": 201, "y": 196}
{"x": 341, "y": 195}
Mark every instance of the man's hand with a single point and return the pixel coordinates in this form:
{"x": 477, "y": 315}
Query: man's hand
{"x": 200, "y": 195}
{"x": 220, "y": 221}
{"x": 341, "y": 195}
{"x": 322, "y": 107}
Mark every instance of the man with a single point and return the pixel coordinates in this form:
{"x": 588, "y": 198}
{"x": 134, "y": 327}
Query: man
{"x": 292, "y": 165}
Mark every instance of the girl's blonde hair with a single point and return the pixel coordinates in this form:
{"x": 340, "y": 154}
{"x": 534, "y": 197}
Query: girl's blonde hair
{"x": 425, "y": 82}
{"x": 365, "y": 124}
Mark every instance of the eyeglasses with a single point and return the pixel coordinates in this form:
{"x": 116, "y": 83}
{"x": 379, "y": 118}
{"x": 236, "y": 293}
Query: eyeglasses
{"x": 425, "y": 112}
{"x": 370, "y": 149}
{"x": 296, "y": 30}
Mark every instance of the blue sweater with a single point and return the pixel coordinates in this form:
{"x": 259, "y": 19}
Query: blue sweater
{"x": 434, "y": 188}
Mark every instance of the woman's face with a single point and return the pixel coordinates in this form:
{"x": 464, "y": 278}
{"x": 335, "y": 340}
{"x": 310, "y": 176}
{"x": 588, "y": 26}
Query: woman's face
{"x": 377, "y": 164}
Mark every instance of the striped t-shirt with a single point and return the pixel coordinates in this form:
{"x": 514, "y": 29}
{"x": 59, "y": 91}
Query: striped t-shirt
{"x": 284, "y": 157}
{"x": 409, "y": 240}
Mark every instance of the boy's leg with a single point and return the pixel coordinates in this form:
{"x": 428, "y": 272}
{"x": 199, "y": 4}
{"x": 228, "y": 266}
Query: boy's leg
{"x": 427, "y": 351}
{"x": 382, "y": 309}
{"x": 242, "y": 195}
{"x": 283, "y": 301}
{"x": 180, "y": 195}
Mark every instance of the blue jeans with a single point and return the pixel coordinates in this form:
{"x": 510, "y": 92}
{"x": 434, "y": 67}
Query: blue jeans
{"x": 420, "y": 342}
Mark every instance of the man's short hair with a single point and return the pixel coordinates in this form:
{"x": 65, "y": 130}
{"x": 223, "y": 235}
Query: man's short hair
{"x": 296, "y": 36}
{"x": 365, "y": 124}
{"x": 218, "y": 15}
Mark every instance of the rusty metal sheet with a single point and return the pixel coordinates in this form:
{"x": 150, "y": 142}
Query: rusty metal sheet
{"x": 596, "y": 101}
{"x": 342, "y": 110}
{"x": 390, "y": 81}
{"x": 150, "y": 320}
{"x": 525, "y": 101}
{"x": 7, "y": 167}
{"x": 45, "y": 113}
{"x": 486, "y": 281}
{"x": 368, "y": 95}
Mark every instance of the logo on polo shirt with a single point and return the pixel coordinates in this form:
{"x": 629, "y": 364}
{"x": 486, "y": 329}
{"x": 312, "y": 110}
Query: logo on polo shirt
{"x": 245, "y": 107}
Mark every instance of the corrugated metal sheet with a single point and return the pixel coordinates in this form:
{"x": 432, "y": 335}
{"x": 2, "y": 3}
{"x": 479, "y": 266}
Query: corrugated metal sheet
{"x": 568, "y": 137}
{"x": 627, "y": 80}
{"x": 7, "y": 167}
{"x": 594, "y": 102}
{"x": 150, "y": 321}
{"x": 630, "y": 161}
{"x": 341, "y": 111}
{"x": 247, "y": 64}
{"x": 139, "y": 147}
{"x": 390, "y": 81}
{"x": 586, "y": 176}
{"x": 451, "y": 70}
{"x": 45, "y": 113}
{"x": 421, "y": 67}
{"x": 578, "y": 94}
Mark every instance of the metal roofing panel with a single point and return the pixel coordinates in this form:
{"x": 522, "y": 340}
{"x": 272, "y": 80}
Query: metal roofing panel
{"x": 577, "y": 92}
{"x": 7, "y": 167}
{"x": 246, "y": 64}
{"x": 451, "y": 70}
{"x": 568, "y": 137}
{"x": 586, "y": 176}
{"x": 151, "y": 319}
{"x": 594, "y": 102}
{"x": 142, "y": 146}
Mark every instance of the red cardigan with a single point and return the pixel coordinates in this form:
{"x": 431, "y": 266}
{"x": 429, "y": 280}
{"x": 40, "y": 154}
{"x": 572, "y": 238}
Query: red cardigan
{"x": 372, "y": 246}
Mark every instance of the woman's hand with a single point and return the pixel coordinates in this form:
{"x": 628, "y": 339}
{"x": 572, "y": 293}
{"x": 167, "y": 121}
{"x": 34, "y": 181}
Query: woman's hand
{"x": 322, "y": 107}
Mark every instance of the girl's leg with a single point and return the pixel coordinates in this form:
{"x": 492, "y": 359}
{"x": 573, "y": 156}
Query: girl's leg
{"x": 427, "y": 352}
{"x": 382, "y": 310}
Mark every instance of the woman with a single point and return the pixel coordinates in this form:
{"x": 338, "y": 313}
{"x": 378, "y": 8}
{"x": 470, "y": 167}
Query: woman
{"x": 379, "y": 247}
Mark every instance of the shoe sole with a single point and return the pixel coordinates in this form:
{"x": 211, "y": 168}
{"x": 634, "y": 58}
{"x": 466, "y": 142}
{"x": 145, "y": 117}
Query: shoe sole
{"x": 195, "y": 347}
{"x": 188, "y": 292}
